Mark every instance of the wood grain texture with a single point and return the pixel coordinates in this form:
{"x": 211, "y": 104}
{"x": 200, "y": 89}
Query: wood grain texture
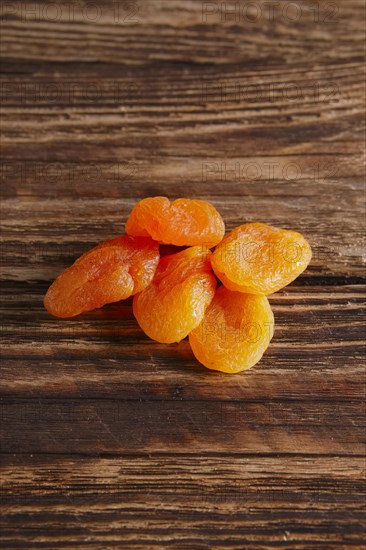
{"x": 190, "y": 502}
{"x": 109, "y": 439}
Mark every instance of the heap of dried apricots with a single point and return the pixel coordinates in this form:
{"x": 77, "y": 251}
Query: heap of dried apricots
{"x": 175, "y": 294}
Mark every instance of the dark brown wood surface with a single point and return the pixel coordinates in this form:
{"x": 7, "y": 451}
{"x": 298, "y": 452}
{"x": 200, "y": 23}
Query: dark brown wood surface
{"x": 107, "y": 438}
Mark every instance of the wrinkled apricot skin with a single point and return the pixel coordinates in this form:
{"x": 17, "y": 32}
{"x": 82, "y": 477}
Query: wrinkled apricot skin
{"x": 184, "y": 222}
{"x": 112, "y": 271}
{"x": 256, "y": 258}
{"x": 235, "y": 331}
{"x": 176, "y": 300}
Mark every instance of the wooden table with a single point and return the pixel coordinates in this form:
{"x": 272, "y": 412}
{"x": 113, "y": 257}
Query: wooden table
{"x": 112, "y": 440}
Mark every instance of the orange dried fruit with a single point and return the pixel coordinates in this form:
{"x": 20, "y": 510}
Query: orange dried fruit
{"x": 234, "y": 333}
{"x": 184, "y": 222}
{"x": 256, "y": 258}
{"x": 112, "y": 271}
{"x": 175, "y": 302}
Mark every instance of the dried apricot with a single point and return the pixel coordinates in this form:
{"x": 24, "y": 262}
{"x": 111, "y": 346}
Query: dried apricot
{"x": 234, "y": 333}
{"x": 259, "y": 259}
{"x": 112, "y": 271}
{"x": 175, "y": 302}
{"x": 184, "y": 222}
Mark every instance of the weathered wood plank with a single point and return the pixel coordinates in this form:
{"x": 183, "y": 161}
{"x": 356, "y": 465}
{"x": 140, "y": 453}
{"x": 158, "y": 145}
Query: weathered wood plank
{"x": 189, "y": 112}
{"x": 43, "y": 236}
{"x": 169, "y": 501}
{"x": 316, "y": 352}
{"x": 122, "y": 426}
{"x": 184, "y": 31}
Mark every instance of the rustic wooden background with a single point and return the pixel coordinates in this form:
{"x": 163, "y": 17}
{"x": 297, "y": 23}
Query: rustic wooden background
{"x": 111, "y": 440}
